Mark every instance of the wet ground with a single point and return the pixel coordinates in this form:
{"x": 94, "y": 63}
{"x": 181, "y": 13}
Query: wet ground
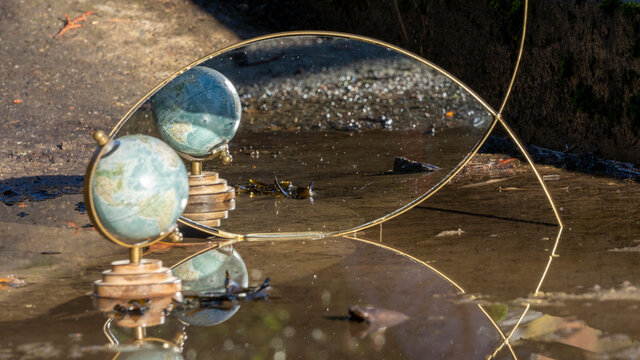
{"x": 492, "y": 238}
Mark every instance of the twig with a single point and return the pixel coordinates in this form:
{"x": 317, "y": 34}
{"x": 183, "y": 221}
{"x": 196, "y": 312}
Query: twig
{"x": 73, "y": 24}
{"x": 404, "y": 32}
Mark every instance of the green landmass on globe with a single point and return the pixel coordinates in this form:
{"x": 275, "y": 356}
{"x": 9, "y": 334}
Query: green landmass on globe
{"x": 197, "y": 111}
{"x": 140, "y": 188}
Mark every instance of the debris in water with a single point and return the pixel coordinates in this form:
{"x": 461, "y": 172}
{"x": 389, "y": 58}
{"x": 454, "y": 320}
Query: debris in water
{"x": 10, "y": 282}
{"x": 404, "y": 165}
{"x": 228, "y": 298}
{"x": 552, "y": 177}
{"x": 450, "y": 233}
{"x": 50, "y": 252}
{"x": 279, "y": 188}
{"x": 22, "y": 214}
{"x": 372, "y": 315}
{"x": 374, "y": 318}
{"x": 17, "y": 101}
{"x": 626, "y": 249}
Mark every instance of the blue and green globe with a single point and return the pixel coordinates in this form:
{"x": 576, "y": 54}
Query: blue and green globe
{"x": 197, "y": 111}
{"x": 140, "y": 188}
{"x": 206, "y": 273}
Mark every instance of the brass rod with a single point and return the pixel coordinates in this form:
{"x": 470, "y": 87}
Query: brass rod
{"x": 196, "y": 167}
{"x": 139, "y": 333}
{"x": 135, "y": 255}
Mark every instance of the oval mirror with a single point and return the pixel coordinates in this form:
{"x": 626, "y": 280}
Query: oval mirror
{"x": 337, "y": 132}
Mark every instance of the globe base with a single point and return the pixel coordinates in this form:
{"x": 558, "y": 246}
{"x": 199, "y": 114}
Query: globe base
{"x": 210, "y": 199}
{"x": 143, "y": 280}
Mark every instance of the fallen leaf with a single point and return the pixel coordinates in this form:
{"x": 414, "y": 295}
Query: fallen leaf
{"x": 10, "y": 282}
{"x": 18, "y": 101}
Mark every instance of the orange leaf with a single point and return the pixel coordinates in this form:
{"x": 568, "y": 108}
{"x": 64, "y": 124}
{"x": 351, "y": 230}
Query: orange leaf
{"x": 449, "y": 114}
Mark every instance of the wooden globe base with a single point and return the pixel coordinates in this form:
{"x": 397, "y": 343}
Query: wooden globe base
{"x": 210, "y": 199}
{"x": 146, "y": 279}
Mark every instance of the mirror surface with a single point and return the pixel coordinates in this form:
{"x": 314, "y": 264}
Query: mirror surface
{"x": 336, "y": 113}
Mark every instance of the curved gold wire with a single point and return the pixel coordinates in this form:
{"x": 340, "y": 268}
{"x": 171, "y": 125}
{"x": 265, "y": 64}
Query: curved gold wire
{"x": 512, "y": 135}
{"x": 410, "y": 205}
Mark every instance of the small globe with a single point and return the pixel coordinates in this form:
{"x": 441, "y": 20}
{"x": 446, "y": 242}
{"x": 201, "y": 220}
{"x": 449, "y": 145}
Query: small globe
{"x": 197, "y": 111}
{"x": 206, "y": 273}
{"x": 140, "y": 188}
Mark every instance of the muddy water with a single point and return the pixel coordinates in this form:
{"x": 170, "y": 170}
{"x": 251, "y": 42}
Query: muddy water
{"x": 492, "y": 239}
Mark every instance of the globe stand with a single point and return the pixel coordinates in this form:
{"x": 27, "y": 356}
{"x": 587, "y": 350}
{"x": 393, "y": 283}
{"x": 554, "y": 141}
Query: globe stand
{"x": 135, "y": 278}
{"x": 130, "y": 280}
{"x": 210, "y": 198}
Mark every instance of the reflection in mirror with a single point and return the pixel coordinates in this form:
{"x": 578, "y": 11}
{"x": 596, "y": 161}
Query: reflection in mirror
{"x": 336, "y": 131}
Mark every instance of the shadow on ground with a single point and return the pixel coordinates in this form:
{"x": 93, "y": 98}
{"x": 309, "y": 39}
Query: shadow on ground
{"x": 38, "y": 188}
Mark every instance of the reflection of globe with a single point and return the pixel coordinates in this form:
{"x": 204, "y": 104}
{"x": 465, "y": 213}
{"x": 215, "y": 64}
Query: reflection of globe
{"x": 147, "y": 352}
{"x": 206, "y": 272}
{"x": 140, "y": 187}
{"x": 197, "y": 111}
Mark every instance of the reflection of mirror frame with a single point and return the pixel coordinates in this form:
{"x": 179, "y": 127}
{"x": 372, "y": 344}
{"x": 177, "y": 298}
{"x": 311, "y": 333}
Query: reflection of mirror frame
{"x": 505, "y": 336}
{"x": 497, "y": 119}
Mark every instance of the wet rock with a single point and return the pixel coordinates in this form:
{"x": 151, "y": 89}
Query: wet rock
{"x": 374, "y": 319}
{"x": 404, "y": 165}
{"x": 450, "y": 233}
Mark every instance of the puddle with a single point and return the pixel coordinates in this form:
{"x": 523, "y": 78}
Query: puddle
{"x": 492, "y": 239}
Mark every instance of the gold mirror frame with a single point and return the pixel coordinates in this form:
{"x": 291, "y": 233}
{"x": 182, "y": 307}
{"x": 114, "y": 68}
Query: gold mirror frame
{"x": 351, "y": 233}
{"x": 497, "y": 118}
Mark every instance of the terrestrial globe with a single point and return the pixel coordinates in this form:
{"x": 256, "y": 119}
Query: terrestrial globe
{"x": 197, "y": 111}
{"x": 140, "y": 188}
{"x": 206, "y": 273}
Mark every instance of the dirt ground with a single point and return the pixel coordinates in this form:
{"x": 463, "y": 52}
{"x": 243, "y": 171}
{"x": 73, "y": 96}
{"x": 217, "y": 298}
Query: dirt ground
{"x": 57, "y": 90}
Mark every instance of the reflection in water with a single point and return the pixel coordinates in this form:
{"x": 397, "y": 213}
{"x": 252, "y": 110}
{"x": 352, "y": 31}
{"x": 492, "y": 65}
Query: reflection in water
{"x": 301, "y": 320}
{"x": 336, "y": 112}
